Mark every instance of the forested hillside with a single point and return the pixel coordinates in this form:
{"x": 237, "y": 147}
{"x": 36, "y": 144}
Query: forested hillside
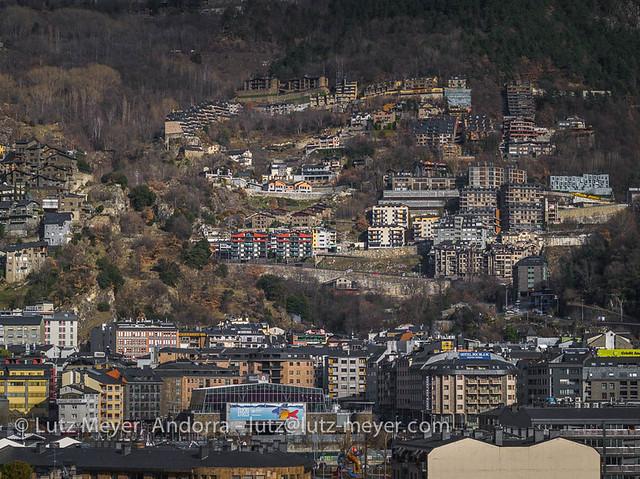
{"x": 607, "y": 269}
{"x": 110, "y": 71}
{"x": 101, "y": 76}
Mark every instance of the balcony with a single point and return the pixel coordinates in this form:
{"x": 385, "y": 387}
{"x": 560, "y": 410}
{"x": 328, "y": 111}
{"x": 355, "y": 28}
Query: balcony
{"x": 629, "y": 451}
{"x": 598, "y": 433}
{"x": 627, "y": 468}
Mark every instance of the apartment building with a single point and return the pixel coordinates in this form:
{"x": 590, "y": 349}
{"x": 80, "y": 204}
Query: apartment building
{"x": 524, "y": 217}
{"x": 21, "y": 330}
{"x": 280, "y": 186}
{"x": 141, "y": 395}
{"x": 466, "y": 384}
{"x": 56, "y": 228}
{"x": 287, "y": 367}
{"x": 323, "y": 240}
{"x": 60, "y": 327}
{"x": 437, "y": 131}
{"x": 556, "y": 378}
{"x": 488, "y": 216}
{"x": 473, "y": 198}
{"x": 520, "y": 130}
{"x": 530, "y": 274}
{"x": 412, "y": 386}
{"x": 292, "y": 245}
{"x": 611, "y": 379}
{"x": 109, "y": 384}
{"x": 111, "y": 401}
{"x": 477, "y": 127}
{"x": 459, "y": 260}
{"x": 587, "y": 183}
{"x": 181, "y": 378}
{"x": 346, "y": 91}
{"x": 192, "y": 339}
{"x": 31, "y": 165}
{"x": 390, "y": 215}
{"x": 540, "y": 146}
{"x": 345, "y": 374}
{"x": 326, "y": 142}
{"x": 492, "y": 176}
{"x": 386, "y": 237}
{"x": 409, "y": 182}
{"x": 501, "y": 259}
{"x": 458, "y": 100}
{"x": 464, "y": 228}
{"x": 78, "y": 405}
{"x": 304, "y": 83}
{"x": 185, "y": 124}
{"x": 523, "y": 207}
{"x": 137, "y": 339}
{"x": 464, "y": 259}
{"x": 27, "y": 387}
{"x": 258, "y": 84}
{"x": 248, "y": 245}
{"x": 20, "y": 260}
{"x": 384, "y": 119}
{"x": 424, "y": 226}
{"x": 520, "y": 100}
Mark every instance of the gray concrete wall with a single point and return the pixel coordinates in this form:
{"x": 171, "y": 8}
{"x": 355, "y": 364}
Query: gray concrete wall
{"x": 398, "y": 286}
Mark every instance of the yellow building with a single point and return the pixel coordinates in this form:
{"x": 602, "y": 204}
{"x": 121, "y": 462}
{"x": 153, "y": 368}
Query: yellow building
{"x": 111, "y": 387}
{"x": 192, "y": 339}
{"x": 27, "y": 388}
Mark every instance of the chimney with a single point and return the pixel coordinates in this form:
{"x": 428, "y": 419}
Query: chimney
{"x": 499, "y": 437}
{"x": 446, "y": 435}
{"x": 126, "y": 449}
{"x": 538, "y": 435}
{"x": 203, "y": 453}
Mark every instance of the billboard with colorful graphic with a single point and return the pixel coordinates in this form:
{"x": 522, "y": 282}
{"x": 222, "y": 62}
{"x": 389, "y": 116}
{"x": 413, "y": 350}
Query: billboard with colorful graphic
{"x": 253, "y": 415}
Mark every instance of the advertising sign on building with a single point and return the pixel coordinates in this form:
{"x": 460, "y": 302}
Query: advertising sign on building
{"x": 475, "y": 355}
{"x": 618, "y": 353}
{"x": 287, "y": 418}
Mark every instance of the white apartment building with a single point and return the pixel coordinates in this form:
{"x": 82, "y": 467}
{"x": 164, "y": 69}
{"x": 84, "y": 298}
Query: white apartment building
{"x": 386, "y": 237}
{"x": 587, "y": 183}
{"x": 346, "y": 375}
{"x": 60, "y": 328}
{"x": 77, "y": 406}
{"x": 324, "y": 239}
{"x": 395, "y": 214}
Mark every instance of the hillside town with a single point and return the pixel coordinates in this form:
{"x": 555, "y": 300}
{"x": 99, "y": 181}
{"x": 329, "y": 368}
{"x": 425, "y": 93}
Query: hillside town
{"x": 117, "y": 390}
